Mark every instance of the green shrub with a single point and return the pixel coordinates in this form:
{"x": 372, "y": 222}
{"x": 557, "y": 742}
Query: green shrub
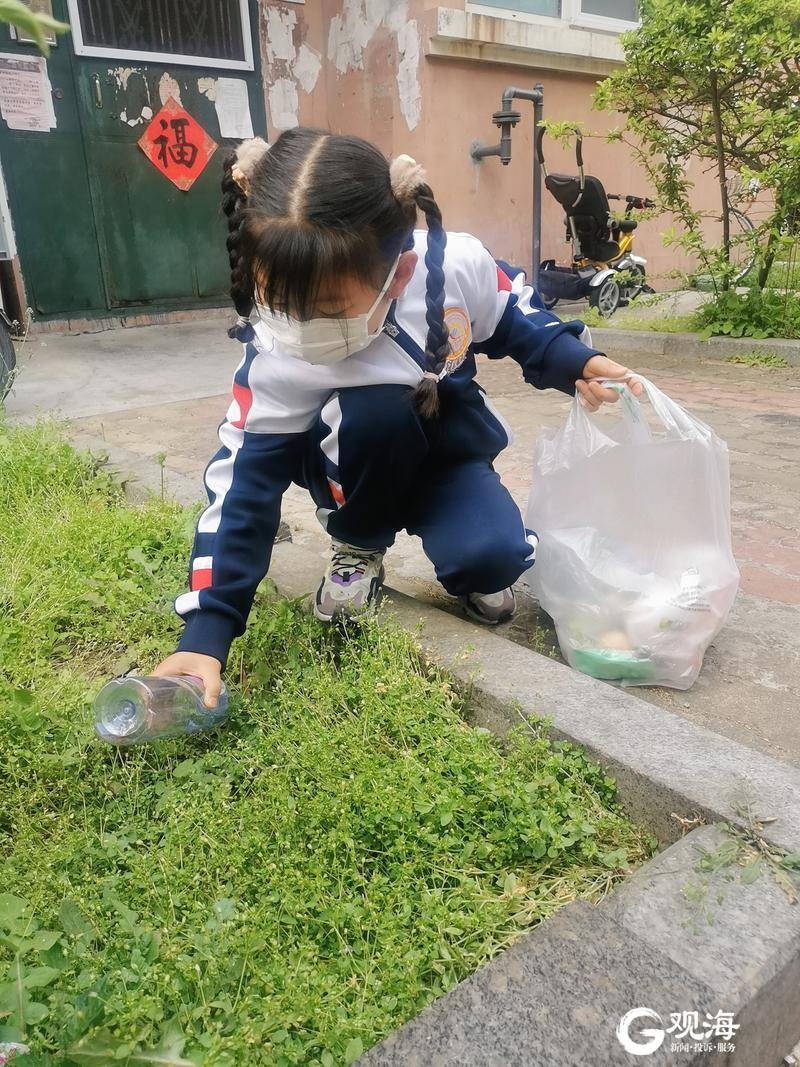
{"x": 756, "y": 314}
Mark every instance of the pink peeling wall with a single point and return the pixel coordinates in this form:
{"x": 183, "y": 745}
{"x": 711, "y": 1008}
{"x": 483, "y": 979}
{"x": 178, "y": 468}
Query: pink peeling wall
{"x": 371, "y": 82}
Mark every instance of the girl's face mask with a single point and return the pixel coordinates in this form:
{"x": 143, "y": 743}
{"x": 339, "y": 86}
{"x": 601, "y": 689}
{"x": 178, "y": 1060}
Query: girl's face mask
{"x": 328, "y": 340}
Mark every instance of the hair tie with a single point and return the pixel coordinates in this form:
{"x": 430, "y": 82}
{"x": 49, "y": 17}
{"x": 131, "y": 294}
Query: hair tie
{"x": 242, "y": 330}
{"x": 248, "y": 155}
{"x": 405, "y": 177}
{"x": 430, "y": 374}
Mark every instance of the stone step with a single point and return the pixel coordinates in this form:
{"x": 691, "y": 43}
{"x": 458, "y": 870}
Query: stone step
{"x": 740, "y": 939}
{"x": 554, "y": 999}
{"x": 671, "y": 939}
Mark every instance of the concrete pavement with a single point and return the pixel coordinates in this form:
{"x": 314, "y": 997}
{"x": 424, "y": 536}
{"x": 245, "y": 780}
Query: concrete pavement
{"x": 141, "y": 391}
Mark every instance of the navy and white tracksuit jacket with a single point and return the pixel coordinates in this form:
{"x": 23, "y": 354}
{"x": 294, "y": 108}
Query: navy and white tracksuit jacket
{"x": 350, "y": 434}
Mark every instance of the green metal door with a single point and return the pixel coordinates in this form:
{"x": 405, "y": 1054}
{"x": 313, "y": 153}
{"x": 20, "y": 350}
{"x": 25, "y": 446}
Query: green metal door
{"x": 143, "y": 241}
{"x": 49, "y": 198}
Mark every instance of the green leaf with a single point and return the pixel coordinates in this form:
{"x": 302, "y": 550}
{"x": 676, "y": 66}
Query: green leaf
{"x": 8, "y": 998}
{"x": 35, "y": 1012}
{"x": 354, "y": 1049}
{"x": 39, "y": 977}
{"x": 33, "y": 24}
{"x": 11, "y": 1034}
{"x": 54, "y": 957}
{"x": 127, "y": 917}
{"x": 225, "y": 909}
{"x": 20, "y": 996}
{"x": 136, "y": 555}
{"x": 11, "y": 907}
{"x": 168, "y": 1053}
{"x": 98, "y": 1049}
{"x": 43, "y": 940}
{"x": 166, "y": 1056}
{"x": 616, "y": 858}
{"x": 751, "y": 872}
{"x": 74, "y": 922}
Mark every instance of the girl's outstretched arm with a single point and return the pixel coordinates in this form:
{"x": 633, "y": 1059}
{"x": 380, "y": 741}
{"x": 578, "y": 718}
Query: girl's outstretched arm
{"x": 507, "y": 321}
{"x": 262, "y": 442}
{"x": 245, "y": 482}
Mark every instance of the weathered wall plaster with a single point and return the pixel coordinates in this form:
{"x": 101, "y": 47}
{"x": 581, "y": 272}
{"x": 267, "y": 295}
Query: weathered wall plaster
{"x": 168, "y": 87}
{"x": 208, "y": 87}
{"x": 352, "y": 31}
{"x": 289, "y": 68}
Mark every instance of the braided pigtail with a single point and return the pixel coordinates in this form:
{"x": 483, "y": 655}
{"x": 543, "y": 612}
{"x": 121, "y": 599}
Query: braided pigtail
{"x": 437, "y": 344}
{"x": 410, "y": 187}
{"x": 236, "y": 171}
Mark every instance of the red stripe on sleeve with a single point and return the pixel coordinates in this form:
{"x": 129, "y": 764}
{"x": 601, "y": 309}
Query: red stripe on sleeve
{"x": 244, "y": 398}
{"x": 201, "y": 579}
{"x": 503, "y": 281}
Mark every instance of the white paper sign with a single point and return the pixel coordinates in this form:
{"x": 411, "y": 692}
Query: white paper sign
{"x": 233, "y": 108}
{"x": 26, "y": 97}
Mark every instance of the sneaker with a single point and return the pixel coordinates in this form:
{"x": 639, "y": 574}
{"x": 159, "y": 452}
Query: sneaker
{"x": 351, "y": 584}
{"x": 490, "y": 608}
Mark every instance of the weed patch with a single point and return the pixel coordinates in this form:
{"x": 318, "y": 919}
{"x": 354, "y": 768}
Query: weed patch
{"x": 287, "y": 890}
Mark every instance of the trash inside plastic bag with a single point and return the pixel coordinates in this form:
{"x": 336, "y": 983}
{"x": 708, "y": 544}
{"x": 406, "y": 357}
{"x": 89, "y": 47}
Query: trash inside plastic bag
{"x": 634, "y": 563}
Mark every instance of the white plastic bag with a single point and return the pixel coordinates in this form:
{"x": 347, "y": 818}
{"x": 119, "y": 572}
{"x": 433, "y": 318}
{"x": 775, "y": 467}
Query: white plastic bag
{"x": 634, "y": 562}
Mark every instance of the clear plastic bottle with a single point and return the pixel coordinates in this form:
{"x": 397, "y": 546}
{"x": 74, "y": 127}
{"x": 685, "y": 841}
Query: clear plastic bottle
{"x": 135, "y": 709}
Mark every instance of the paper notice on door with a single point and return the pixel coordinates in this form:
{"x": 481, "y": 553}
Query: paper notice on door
{"x": 233, "y": 108}
{"x": 26, "y": 97}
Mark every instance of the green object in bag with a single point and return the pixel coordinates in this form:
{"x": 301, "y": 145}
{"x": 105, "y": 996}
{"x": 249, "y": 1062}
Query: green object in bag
{"x": 612, "y": 665}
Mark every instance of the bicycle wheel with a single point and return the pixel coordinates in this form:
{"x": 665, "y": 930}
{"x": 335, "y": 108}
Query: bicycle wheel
{"x": 8, "y": 358}
{"x": 743, "y": 252}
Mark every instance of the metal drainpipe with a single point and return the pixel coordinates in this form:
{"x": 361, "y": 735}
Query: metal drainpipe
{"x": 506, "y": 118}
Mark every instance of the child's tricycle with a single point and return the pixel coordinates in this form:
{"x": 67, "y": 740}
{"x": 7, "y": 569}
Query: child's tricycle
{"x": 603, "y": 267}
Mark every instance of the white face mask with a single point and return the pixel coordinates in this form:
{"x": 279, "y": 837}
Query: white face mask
{"x": 323, "y": 341}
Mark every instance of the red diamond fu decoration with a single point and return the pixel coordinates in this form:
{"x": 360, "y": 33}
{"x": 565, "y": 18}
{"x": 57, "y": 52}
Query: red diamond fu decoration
{"x": 177, "y": 144}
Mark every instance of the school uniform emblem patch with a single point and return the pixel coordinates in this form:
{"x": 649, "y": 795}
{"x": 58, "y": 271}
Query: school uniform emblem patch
{"x": 458, "y": 324}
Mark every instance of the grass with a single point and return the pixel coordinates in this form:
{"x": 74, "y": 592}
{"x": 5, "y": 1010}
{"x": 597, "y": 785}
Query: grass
{"x": 629, "y": 318}
{"x": 759, "y": 359}
{"x": 288, "y": 890}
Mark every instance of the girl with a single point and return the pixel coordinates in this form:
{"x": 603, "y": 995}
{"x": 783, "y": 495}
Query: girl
{"x": 358, "y": 382}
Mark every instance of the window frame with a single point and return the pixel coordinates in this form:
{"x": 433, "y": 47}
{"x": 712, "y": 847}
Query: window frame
{"x": 474, "y": 7}
{"x": 585, "y": 20}
{"x": 167, "y": 58}
{"x": 571, "y": 16}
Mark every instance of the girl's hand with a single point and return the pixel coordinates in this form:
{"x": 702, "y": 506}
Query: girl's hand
{"x": 592, "y": 393}
{"x": 206, "y": 667}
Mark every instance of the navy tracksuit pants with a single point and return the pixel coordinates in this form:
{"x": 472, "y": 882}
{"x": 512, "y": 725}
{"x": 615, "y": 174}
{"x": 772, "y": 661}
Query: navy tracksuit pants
{"x": 374, "y": 467}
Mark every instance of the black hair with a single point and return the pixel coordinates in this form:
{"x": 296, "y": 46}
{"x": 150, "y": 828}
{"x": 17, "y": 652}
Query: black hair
{"x": 316, "y": 206}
